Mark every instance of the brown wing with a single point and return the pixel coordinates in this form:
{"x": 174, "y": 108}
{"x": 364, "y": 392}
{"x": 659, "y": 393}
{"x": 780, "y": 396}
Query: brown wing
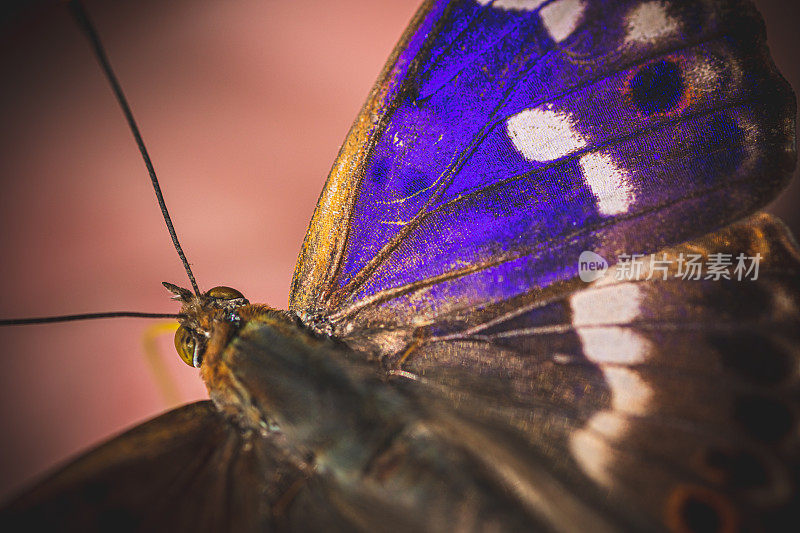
{"x": 663, "y": 402}
{"x": 187, "y": 470}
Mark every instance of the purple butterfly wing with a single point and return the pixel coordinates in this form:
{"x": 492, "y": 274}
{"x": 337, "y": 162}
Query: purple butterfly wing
{"x": 505, "y": 138}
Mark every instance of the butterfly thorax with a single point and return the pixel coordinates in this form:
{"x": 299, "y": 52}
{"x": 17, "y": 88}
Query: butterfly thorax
{"x": 264, "y": 369}
{"x": 218, "y": 368}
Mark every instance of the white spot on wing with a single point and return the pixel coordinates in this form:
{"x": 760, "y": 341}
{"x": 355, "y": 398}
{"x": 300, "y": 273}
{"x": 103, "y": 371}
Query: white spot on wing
{"x": 543, "y": 135}
{"x": 615, "y": 304}
{"x": 629, "y": 393}
{"x": 562, "y": 17}
{"x": 704, "y": 75}
{"x": 650, "y": 21}
{"x": 614, "y": 345}
{"x": 609, "y": 306}
{"x": 608, "y": 424}
{"x": 609, "y": 184}
{"x": 517, "y": 5}
{"x": 593, "y": 445}
{"x": 590, "y": 445}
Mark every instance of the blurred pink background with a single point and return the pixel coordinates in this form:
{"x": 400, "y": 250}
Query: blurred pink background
{"x": 243, "y": 105}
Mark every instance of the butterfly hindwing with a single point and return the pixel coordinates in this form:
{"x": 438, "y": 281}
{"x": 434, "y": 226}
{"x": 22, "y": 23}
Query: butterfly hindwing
{"x": 661, "y": 402}
{"x": 190, "y": 469}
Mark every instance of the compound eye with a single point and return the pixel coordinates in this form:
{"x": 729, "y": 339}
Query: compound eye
{"x": 224, "y": 293}
{"x": 185, "y": 344}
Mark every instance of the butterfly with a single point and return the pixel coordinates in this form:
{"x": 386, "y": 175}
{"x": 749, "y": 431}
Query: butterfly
{"x": 441, "y": 366}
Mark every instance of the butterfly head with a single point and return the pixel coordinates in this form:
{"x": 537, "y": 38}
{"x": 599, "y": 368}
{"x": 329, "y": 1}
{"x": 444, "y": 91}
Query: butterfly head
{"x": 200, "y": 313}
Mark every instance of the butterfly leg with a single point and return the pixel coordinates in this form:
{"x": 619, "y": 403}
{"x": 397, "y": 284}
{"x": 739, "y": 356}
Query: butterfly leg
{"x": 420, "y": 336}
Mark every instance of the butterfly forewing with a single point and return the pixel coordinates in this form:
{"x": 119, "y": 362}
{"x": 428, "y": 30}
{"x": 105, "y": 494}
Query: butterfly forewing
{"x": 507, "y": 137}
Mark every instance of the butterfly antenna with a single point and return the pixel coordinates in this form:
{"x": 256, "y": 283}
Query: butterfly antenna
{"x": 88, "y": 29}
{"x": 83, "y": 316}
